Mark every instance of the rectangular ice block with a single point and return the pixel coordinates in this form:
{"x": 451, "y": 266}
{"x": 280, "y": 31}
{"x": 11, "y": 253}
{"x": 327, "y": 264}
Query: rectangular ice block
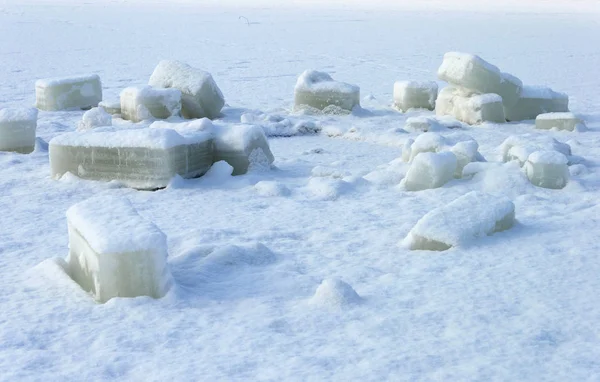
{"x": 560, "y": 121}
{"x": 143, "y": 102}
{"x": 415, "y": 95}
{"x": 536, "y": 100}
{"x": 469, "y": 107}
{"x": 112, "y": 107}
{"x": 242, "y": 146}
{"x": 79, "y": 92}
{"x": 318, "y": 90}
{"x": 430, "y": 170}
{"x": 17, "y": 129}
{"x": 547, "y": 169}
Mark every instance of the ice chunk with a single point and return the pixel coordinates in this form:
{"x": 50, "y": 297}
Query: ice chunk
{"x": 114, "y": 252}
{"x": 427, "y": 142}
{"x": 415, "y": 94}
{"x": 519, "y": 147}
{"x": 536, "y": 100}
{"x": 560, "y": 121}
{"x": 547, "y": 169}
{"x": 319, "y": 90}
{"x": 335, "y": 293}
{"x": 465, "y": 152}
{"x": 17, "y": 129}
{"x": 81, "y": 92}
{"x": 469, "y": 107}
{"x": 422, "y": 123}
{"x": 144, "y": 102}
{"x": 407, "y": 150}
{"x": 201, "y": 97}
{"x": 430, "y": 170}
{"x": 95, "y": 117}
{"x": 139, "y": 158}
{"x": 466, "y": 218}
{"x": 474, "y": 73}
{"x": 111, "y": 106}
{"x": 242, "y": 146}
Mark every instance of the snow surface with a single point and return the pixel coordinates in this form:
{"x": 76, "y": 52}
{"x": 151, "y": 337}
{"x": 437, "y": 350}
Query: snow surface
{"x": 521, "y": 305}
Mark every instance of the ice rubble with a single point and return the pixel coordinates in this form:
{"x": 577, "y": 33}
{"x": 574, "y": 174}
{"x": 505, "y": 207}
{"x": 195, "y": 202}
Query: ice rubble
{"x": 112, "y": 107}
{"x": 335, "y": 293}
{"x": 79, "y": 92}
{"x": 144, "y": 102}
{"x": 415, "y": 95}
{"x": 430, "y": 170}
{"x": 242, "y": 146}
{"x": 470, "y": 107}
{"x": 547, "y": 169}
{"x": 423, "y": 123}
{"x": 536, "y": 100}
{"x": 457, "y": 223}
{"x": 318, "y": 90}
{"x": 201, "y": 97}
{"x": 114, "y": 252}
{"x": 560, "y": 121}
{"x": 95, "y": 117}
{"x": 519, "y": 147}
{"x": 139, "y": 158}
{"x": 17, "y": 129}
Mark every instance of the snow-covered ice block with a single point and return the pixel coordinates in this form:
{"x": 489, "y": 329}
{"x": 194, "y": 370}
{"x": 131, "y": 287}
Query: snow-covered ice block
{"x": 17, "y": 129}
{"x": 465, "y": 152}
{"x": 318, "y": 90}
{"x": 427, "y": 142}
{"x": 471, "y": 216}
{"x": 430, "y": 170}
{"x": 145, "y": 102}
{"x": 422, "y": 123}
{"x": 95, "y": 117}
{"x": 335, "y": 293}
{"x": 536, "y": 100}
{"x": 139, "y": 158}
{"x": 242, "y": 146}
{"x": 201, "y": 97}
{"x": 114, "y": 252}
{"x": 474, "y": 73}
{"x": 111, "y": 106}
{"x": 415, "y": 94}
{"x": 81, "y": 92}
{"x": 519, "y": 147}
{"x": 560, "y": 121}
{"x": 469, "y": 107}
{"x": 547, "y": 169}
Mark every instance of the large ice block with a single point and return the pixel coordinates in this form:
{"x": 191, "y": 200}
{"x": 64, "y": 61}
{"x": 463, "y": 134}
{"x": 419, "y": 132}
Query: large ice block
{"x": 114, "y": 252}
{"x": 145, "y": 102}
{"x": 17, "y": 129}
{"x": 79, "y": 92}
{"x": 430, "y": 170}
{"x": 469, "y": 107}
{"x": 415, "y": 95}
{"x": 474, "y": 73}
{"x": 139, "y": 158}
{"x": 519, "y": 147}
{"x": 318, "y": 90}
{"x": 471, "y": 216}
{"x": 201, "y": 97}
{"x": 536, "y": 100}
{"x": 560, "y": 121}
{"x": 547, "y": 169}
{"x": 242, "y": 146}
{"x": 95, "y": 117}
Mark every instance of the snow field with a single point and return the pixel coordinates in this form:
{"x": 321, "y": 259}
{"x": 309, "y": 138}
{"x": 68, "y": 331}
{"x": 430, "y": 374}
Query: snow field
{"x": 17, "y": 129}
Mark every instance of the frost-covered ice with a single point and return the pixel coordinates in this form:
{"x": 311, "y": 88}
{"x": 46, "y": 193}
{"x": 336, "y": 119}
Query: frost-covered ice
{"x": 422, "y": 123}
{"x": 95, "y": 117}
{"x": 471, "y": 216}
{"x": 536, "y": 100}
{"x": 112, "y": 106}
{"x": 430, "y": 170}
{"x": 318, "y": 90}
{"x": 415, "y": 94}
{"x": 17, "y": 129}
{"x": 278, "y": 126}
{"x": 519, "y": 147}
{"x": 469, "y": 107}
{"x": 547, "y": 169}
{"x": 435, "y": 142}
{"x": 139, "y": 158}
{"x": 144, "y": 102}
{"x": 114, "y": 252}
{"x": 201, "y": 97}
{"x": 465, "y": 152}
{"x": 335, "y": 293}
{"x": 78, "y": 92}
{"x": 560, "y": 121}
{"x": 243, "y": 147}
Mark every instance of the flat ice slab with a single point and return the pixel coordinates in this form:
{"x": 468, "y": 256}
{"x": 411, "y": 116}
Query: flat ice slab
{"x": 242, "y": 146}
{"x": 17, "y": 129}
{"x": 139, "y": 158}
{"x": 547, "y": 169}
{"x": 201, "y": 97}
{"x": 430, "y": 170}
{"x": 114, "y": 252}
{"x": 79, "y": 92}
{"x": 144, "y": 102}
{"x": 318, "y": 90}
{"x": 560, "y": 121}
{"x": 469, "y": 107}
{"x": 471, "y": 216}
{"x": 536, "y": 100}
{"x": 415, "y": 95}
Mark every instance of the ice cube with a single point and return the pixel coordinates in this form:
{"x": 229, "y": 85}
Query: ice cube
{"x": 17, "y": 129}
{"x": 79, "y": 92}
{"x": 469, "y": 107}
{"x": 547, "y": 169}
{"x": 560, "y": 121}
{"x": 415, "y": 95}
{"x": 536, "y": 100}
{"x": 430, "y": 170}
{"x": 242, "y": 146}
{"x": 318, "y": 90}
{"x": 144, "y": 102}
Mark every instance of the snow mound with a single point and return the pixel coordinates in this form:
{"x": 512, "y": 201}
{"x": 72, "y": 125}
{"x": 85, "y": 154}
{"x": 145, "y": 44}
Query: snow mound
{"x": 335, "y": 293}
{"x": 144, "y": 102}
{"x": 230, "y": 259}
{"x": 326, "y": 188}
{"x": 415, "y": 95}
{"x": 271, "y": 188}
{"x": 95, "y": 117}
{"x": 547, "y": 169}
{"x": 471, "y": 216}
{"x": 17, "y": 129}
{"x": 430, "y": 170}
{"x": 276, "y": 126}
{"x": 77, "y": 92}
{"x": 319, "y": 91}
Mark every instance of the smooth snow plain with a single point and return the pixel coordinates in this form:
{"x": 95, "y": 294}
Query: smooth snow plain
{"x": 248, "y": 253}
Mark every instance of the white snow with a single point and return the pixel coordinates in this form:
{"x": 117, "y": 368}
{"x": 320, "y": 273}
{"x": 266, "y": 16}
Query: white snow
{"x": 335, "y": 293}
{"x": 547, "y": 169}
{"x": 560, "y": 121}
{"x": 318, "y": 90}
{"x": 201, "y": 97}
{"x": 17, "y": 129}
{"x": 95, "y": 117}
{"x": 145, "y": 102}
{"x": 458, "y": 223}
{"x": 76, "y": 92}
{"x": 415, "y": 94}
{"x": 430, "y": 170}
{"x": 114, "y": 252}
